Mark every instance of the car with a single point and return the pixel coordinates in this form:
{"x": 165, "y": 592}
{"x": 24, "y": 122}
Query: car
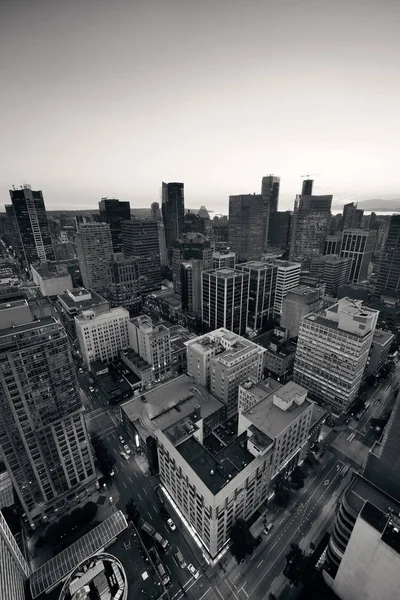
{"x": 127, "y": 449}
{"x": 268, "y": 528}
{"x": 80, "y": 370}
{"x": 121, "y": 439}
{"x": 180, "y": 561}
{"x": 124, "y": 455}
{"x": 171, "y": 524}
{"x": 91, "y": 389}
{"x": 112, "y": 473}
{"x": 111, "y": 501}
{"x": 193, "y": 571}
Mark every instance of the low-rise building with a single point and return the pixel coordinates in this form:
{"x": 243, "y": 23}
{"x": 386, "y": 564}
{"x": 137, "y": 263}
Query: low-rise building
{"x": 179, "y": 336}
{"x": 73, "y": 302}
{"x": 52, "y": 278}
{"x": 138, "y": 366}
{"x": 380, "y": 348}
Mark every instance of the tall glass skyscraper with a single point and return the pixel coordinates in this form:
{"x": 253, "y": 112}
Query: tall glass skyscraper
{"x": 388, "y": 283}
{"x": 173, "y": 211}
{"x": 113, "y": 212}
{"x": 246, "y": 226}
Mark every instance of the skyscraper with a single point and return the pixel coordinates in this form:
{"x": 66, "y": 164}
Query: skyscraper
{"x": 43, "y": 438}
{"x": 225, "y": 295}
{"x": 270, "y": 195}
{"x": 173, "y": 211}
{"x": 155, "y": 211}
{"x": 113, "y": 211}
{"x": 358, "y": 245}
{"x": 352, "y": 216}
{"x": 33, "y": 227}
{"x": 141, "y": 240}
{"x": 189, "y": 246}
{"x": 262, "y": 286}
{"x": 388, "y": 283}
{"x": 299, "y": 302}
{"x": 124, "y": 283}
{"x": 94, "y": 248}
{"x": 14, "y": 569}
{"x": 246, "y": 226}
{"x": 278, "y": 229}
{"x": 307, "y": 187}
{"x": 310, "y": 226}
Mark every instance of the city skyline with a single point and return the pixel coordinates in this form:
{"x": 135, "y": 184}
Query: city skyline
{"x": 120, "y": 103}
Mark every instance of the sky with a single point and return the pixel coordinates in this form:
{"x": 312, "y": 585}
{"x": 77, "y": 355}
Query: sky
{"x": 107, "y": 98}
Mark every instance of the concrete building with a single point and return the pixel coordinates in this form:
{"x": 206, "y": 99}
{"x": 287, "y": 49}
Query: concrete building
{"x": 14, "y": 568}
{"x": 223, "y": 259}
{"x": 124, "y": 283}
{"x": 279, "y": 358}
{"x": 246, "y": 226}
{"x": 32, "y": 225}
{"x": 388, "y": 283}
{"x": 363, "y": 557}
{"x": 287, "y": 277}
{"x": 179, "y": 336}
{"x": 173, "y": 211}
{"x": 6, "y": 488}
{"x": 225, "y": 295}
{"x": 279, "y": 229}
{"x": 332, "y": 352}
{"x": 261, "y": 296}
{"x": 152, "y": 343}
{"x": 140, "y": 239}
{"x": 52, "y": 278}
{"x": 186, "y": 248}
{"x": 358, "y": 244}
{"x": 43, "y": 439}
{"x": 155, "y": 211}
{"x": 94, "y": 248}
{"x": 299, "y": 302}
{"x": 380, "y": 349}
{"x": 332, "y": 244}
{"x": 73, "y": 302}
{"x": 113, "y": 212}
{"x": 310, "y": 226}
{"x": 332, "y": 270}
{"x": 352, "y": 216}
{"x": 220, "y": 361}
{"x": 102, "y": 335}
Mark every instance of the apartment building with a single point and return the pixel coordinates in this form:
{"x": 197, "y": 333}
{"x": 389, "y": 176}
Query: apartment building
{"x": 380, "y": 349}
{"x": 332, "y": 352}
{"x": 102, "y": 335}
{"x": 73, "y": 302}
{"x": 52, "y": 278}
{"x": 152, "y": 343}
{"x": 220, "y": 361}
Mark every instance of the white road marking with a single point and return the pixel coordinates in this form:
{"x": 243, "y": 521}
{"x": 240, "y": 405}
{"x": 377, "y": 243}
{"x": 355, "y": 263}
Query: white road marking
{"x": 150, "y": 516}
{"x": 124, "y": 485}
{"x": 205, "y": 593}
{"x": 144, "y": 489}
{"x": 129, "y": 477}
{"x": 260, "y": 563}
{"x": 140, "y": 496}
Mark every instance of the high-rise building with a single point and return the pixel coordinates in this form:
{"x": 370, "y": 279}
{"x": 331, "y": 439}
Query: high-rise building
{"x": 270, "y": 197}
{"x": 358, "y": 245}
{"x": 221, "y": 361}
{"x": 225, "y": 294}
{"x": 246, "y": 228}
{"x": 155, "y": 212}
{"x": 307, "y": 187}
{"x": 33, "y": 226}
{"x": 14, "y": 568}
{"x": 388, "y": 283}
{"x": 223, "y": 258}
{"x": 278, "y": 229}
{"x": 153, "y": 344}
{"x": 141, "y": 240}
{"x": 333, "y": 243}
{"x": 113, "y": 212}
{"x": 43, "y": 438}
{"x": 75, "y": 301}
{"x": 262, "y": 286}
{"x": 310, "y": 226}
{"x": 299, "y": 302}
{"x": 332, "y": 352}
{"x": 102, "y": 335}
{"x": 124, "y": 283}
{"x": 190, "y": 246}
{"x": 287, "y": 277}
{"x": 94, "y": 249}
{"x": 352, "y": 216}
{"x": 173, "y": 211}
{"x": 191, "y": 274}
{"x": 331, "y": 270}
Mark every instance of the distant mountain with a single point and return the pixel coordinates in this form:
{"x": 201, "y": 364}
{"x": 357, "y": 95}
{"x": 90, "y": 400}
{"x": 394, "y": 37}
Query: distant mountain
{"x": 376, "y": 205}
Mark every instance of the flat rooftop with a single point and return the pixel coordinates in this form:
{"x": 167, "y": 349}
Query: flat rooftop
{"x": 382, "y": 337}
{"x": 216, "y": 471}
{"x": 78, "y": 305}
{"x": 255, "y": 264}
{"x": 169, "y": 403}
{"x": 361, "y": 490}
{"x": 13, "y": 304}
{"x": 31, "y": 326}
{"x": 303, "y": 290}
{"x": 225, "y": 272}
{"x": 325, "y": 322}
{"x": 230, "y": 346}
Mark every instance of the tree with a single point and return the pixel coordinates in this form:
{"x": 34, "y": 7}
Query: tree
{"x": 132, "y": 511}
{"x": 282, "y": 491}
{"x": 297, "y": 476}
{"x": 241, "y": 541}
{"x": 295, "y": 565}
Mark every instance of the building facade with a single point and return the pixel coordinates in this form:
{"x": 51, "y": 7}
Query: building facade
{"x": 113, "y": 212}
{"x": 352, "y": 216}
{"x": 388, "y": 283}
{"x": 332, "y": 352}
{"x": 190, "y": 246}
{"x": 152, "y": 343}
{"x": 140, "y": 239}
{"x": 14, "y": 568}
{"x": 310, "y": 226}
{"x": 124, "y": 283}
{"x": 225, "y": 299}
{"x": 380, "y": 350}
{"x": 223, "y": 259}
{"x": 246, "y": 226}
{"x": 52, "y": 278}
{"x": 287, "y": 277}
{"x": 358, "y": 244}
{"x": 173, "y": 211}
{"x": 270, "y": 195}
{"x": 103, "y": 335}
{"x": 73, "y": 302}
{"x": 262, "y": 286}
{"x": 332, "y": 270}
{"x": 33, "y": 226}
{"x": 43, "y": 438}
{"x": 94, "y": 248}
{"x": 299, "y": 302}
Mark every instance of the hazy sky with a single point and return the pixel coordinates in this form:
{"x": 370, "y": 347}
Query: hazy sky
{"x": 110, "y": 97}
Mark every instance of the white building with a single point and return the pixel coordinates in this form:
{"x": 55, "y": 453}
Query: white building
{"x": 51, "y": 282}
{"x": 288, "y": 277}
{"x": 332, "y": 352}
{"x": 152, "y": 343}
{"x": 223, "y": 259}
{"x": 102, "y": 336}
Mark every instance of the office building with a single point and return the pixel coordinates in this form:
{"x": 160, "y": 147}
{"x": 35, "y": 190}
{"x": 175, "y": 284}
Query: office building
{"x": 352, "y": 216}
{"x": 162, "y": 244}
{"x": 380, "y": 350}
{"x": 113, "y": 212}
{"x": 102, "y": 335}
{"x": 358, "y": 245}
{"x": 52, "y": 278}
{"x": 332, "y": 270}
{"x": 333, "y": 244}
{"x": 190, "y": 246}
{"x": 214, "y": 483}
{"x": 310, "y": 226}
{"x": 246, "y": 226}
{"x": 279, "y": 356}
{"x": 388, "y": 283}
{"x": 140, "y": 239}
{"x": 14, "y": 569}
{"x": 307, "y": 187}
{"x": 223, "y": 259}
{"x": 332, "y": 352}
{"x": 191, "y": 279}
{"x": 287, "y": 277}
{"x": 94, "y": 249}
{"x": 299, "y": 302}
{"x": 261, "y": 295}
{"x": 270, "y": 197}
{"x": 220, "y": 361}
{"x": 173, "y": 211}
{"x": 152, "y": 343}
{"x": 278, "y": 229}
{"x": 225, "y": 299}
{"x": 43, "y": 440}
{"x": 33, "y": 226}
{"x": 124, "y": 283}
{"x": 155, "y": 212}
{"x": 73, "y": 302}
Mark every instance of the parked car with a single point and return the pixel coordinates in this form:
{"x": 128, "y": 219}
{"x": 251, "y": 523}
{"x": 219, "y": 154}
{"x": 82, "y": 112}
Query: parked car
{"x": 127, "y": 449}
{"x": 121, "y": 439}
{"x": 91, "y": 389}
{"x": 111, "y": 501}
{"x": 268, "y": 528}
{"x": 193, "y": 571}
{"x": 171, "y": 524}
{"x": 80, "y": 370}
{"x": 180, "y": 561}
{"x": 124, "y": 455}
{"x": 112, "y": 473}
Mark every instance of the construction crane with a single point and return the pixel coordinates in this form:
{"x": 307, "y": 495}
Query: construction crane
{"x": 309, "y": 175}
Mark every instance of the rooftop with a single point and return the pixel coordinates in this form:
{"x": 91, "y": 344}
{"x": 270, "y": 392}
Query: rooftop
{"x": 225, "y": 272}
{"x": 116, "y": 312}
{"x": 382, "y": 337}
{"x": 361, "y": 490}
{"x": 13, "y": 304}
{"x": 303, "y": 290}
{"x": 229, "y": 346}
{"x": 72, "y": 303}
{"x": 257, "y": 265}
{"x": 31, "y": 326}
